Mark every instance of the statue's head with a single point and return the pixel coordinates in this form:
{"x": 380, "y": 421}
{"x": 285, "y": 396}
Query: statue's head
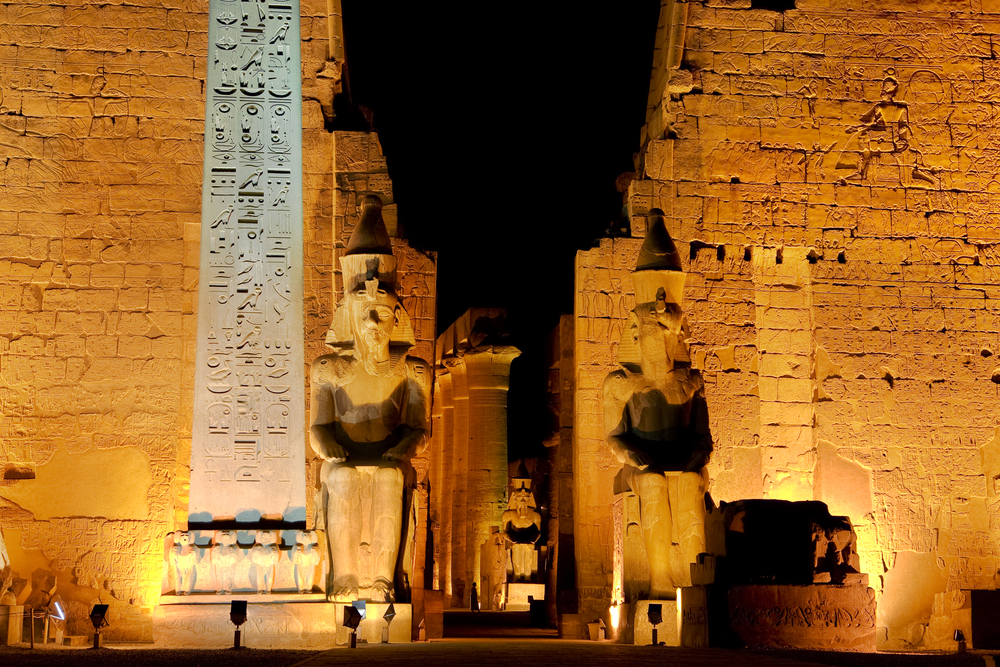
{"x": 374, "y": 312}
{"x": 370, "y": 317}
{"x": 659, "y": 331}
{"x": 225, "y": 537}
{"x": 656, "y": 337}
{"x": 267, "y": 537}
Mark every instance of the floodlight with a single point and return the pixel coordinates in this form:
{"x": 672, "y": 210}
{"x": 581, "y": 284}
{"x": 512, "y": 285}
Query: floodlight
{"x": 960, "y": 638}
{"x": 238, "y": 615}
{"x": 352, "y": 619}
{"x": 655, "y": 616}
{"x": 238, "y": 612}
{"x": 98, "y": 617}
{"x": 361, "y": 607}
{"x": 390, "y": 613}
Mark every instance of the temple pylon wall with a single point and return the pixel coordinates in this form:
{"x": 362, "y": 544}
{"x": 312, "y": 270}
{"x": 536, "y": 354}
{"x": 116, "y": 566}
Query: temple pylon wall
{"x": 826, "y": 173}
{"x": 102, "y": 123}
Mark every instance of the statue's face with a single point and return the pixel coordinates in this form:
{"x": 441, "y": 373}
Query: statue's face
{"x": 657, "y": 329}
{"x": 374, "y": 313}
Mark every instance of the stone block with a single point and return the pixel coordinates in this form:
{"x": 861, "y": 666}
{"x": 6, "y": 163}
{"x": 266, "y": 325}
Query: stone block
{"x": 288, "y": 626}
{"x": 370, "y": 630}
{"x": 694, "y": 617}
{"x": 11, "y": 623}
{"x": 518, "y": 594}
{"x": 667, "y": 631}
{"x": 820, "y": 617}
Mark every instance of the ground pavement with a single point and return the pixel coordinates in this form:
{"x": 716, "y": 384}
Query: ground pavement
{"x": 468, "y": 652}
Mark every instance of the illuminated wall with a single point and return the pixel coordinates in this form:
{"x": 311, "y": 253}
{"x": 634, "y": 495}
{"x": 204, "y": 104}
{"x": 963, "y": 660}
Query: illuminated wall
{"x": 101, "y": 139}
{"x": 829, "y": 175}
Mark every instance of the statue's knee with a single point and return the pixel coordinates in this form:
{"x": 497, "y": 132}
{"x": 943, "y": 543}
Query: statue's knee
{"x": 341, "y": 477}
{"x": 691, "y": 483}
{"x": 389, "y": 476}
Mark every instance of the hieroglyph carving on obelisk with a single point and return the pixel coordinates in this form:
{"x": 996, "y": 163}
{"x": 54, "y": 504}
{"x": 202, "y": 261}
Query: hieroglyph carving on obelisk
{"x": 247, "y": 453}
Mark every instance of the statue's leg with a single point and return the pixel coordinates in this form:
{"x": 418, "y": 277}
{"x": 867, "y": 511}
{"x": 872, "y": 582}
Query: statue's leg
{"x": 654, "y": 512}
{"x": 343, "y": 522}
{"x": 689, "y": 531}
{"x": 387, "y": 522}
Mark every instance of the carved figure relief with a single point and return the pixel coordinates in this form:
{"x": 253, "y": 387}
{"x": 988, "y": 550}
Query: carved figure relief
{"x": 225, "y": 556}
{"x": 305, "y": 558}
{"x": 881, "y": 146}
{"x": 184, "y": 558}
{"x": 265, "y": 555}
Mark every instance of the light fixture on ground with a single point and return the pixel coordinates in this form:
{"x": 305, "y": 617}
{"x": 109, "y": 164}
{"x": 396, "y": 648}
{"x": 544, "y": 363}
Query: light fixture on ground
{"x": 98, "y": 617}
{"x": 352, "y": 619}
{"x": 238, "y": 615}
{"x": 389, "y": 614}
{"x": 655, "y": 616}
{"x": 960, "y": 638}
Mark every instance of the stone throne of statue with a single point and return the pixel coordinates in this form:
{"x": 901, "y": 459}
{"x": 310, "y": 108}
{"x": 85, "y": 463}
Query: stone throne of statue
{"x": 656, "y": 420}
{"x": 369, "y": 409}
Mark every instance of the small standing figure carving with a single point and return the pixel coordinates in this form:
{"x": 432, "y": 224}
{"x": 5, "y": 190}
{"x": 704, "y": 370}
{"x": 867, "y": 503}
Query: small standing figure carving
{"x": 265, "y": 555}
{"x": 225, "y": 555}
{"x": 184, "y": 559}
{"x": 305, "y": 558}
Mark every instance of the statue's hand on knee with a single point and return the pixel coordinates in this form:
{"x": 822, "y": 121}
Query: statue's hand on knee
{"x": 335, "y": 452}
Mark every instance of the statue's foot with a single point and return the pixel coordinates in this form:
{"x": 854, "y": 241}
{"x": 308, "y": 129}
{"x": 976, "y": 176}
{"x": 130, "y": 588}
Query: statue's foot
{"x": 384, "y": 589}
{"x": 345, "y": 589}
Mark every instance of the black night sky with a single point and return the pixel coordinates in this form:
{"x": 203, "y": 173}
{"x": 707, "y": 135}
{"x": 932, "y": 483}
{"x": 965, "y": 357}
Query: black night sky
{"x": 505, "y": 126}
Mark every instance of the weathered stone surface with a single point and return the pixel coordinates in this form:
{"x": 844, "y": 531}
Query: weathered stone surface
{"x": 11, "y": 623}
{"x": 815, "y": 617}
{"x": 286, "y": 625}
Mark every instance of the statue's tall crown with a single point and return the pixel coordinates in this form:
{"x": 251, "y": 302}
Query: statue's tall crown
{"x": 369, "y": 250}
{"x": 659, "y": 265}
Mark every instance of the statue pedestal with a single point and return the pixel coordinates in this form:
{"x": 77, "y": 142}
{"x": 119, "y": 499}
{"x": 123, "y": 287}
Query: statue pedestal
{"x": 11, "y": 622}
{"x": 288, "y": 625}
{"x": 518, "y": 594}
{"x": 818, "y": 616}
{"x": 667, "y": 631}
{"x": 370, "y": 630}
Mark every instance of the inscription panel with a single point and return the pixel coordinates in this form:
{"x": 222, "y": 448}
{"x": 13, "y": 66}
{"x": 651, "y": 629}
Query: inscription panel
{"x": 247, "y": 454}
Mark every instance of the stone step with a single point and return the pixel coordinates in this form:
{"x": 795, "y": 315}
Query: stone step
{"x": 76, "y": 640}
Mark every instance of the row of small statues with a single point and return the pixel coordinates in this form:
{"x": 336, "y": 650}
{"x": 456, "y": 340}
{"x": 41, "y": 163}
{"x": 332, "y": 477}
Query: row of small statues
{"x": 226, "y": 555}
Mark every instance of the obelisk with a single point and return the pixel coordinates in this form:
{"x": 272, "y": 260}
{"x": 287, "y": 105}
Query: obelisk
{"x": 248, "y": 440}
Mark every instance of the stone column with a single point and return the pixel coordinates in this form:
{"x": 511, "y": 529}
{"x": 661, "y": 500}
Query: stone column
{"x": 442, "y": 494}
{"x": 461, "y": 585}
{"x": 488, "y": 379}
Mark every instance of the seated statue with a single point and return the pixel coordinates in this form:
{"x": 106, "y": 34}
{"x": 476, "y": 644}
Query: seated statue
{"x": 522, "y": 526}
{"x": 369, "y": 410}
{"x": 656, "y": 418}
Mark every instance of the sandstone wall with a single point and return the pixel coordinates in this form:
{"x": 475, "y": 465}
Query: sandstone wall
{"x": 101, "y": 135}
{"x": 842, "y": 277}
